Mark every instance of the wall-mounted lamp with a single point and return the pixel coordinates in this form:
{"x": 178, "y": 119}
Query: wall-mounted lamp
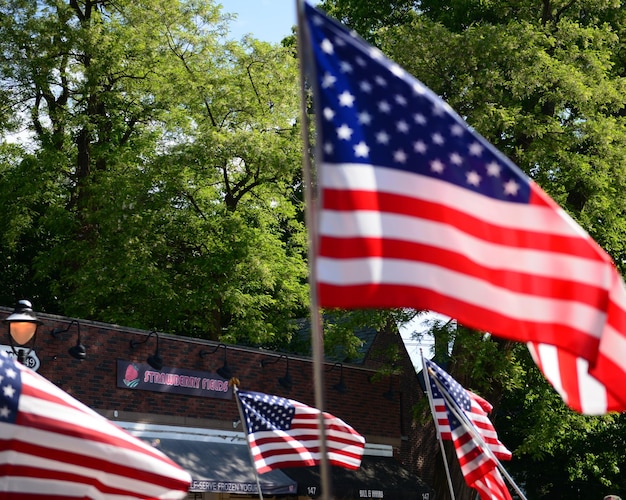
{"x": 22, "y": 323}
{"x": 224, "y": 371}
{"x": 341, "y": 385}
{"x": 77, "y": 351}
{"x": 285, "y": 381}
{"x": 154, "y": 360}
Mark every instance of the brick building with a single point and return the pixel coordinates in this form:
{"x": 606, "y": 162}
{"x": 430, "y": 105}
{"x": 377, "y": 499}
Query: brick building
{"x": 187, "y": 410}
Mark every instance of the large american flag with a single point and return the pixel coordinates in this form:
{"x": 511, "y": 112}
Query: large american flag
{"x": 285, "y": 433}
{"x": 418, "y": 210}
{"x": 52, "y": 446}
{"x": 478, "y": 466}
{"x": 569, "y": 375}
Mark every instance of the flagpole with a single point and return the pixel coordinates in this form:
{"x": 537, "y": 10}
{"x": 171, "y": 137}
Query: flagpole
{"x": 462, "y": 417}
{"x": 317, "y": 339}
{"x": 234, "y": 382}
{"x": 434, "y": 413}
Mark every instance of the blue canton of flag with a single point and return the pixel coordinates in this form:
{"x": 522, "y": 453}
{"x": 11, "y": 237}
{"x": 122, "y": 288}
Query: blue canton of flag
{"x": 453, "y": 388}
{"x": 374, "y": 112}
{"x": 265, "y": 412}
{"x": 10, "y": 389}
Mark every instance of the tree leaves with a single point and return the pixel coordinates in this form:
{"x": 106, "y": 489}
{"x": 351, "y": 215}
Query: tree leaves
{"x": 161, "y": 188}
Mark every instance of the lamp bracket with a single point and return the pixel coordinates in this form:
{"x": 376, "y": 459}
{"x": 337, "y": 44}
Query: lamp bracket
{"x": 268, "y": 361}
{"x": 135, "y": 343}
{"x": 55, "y": 332}
{"x": 154, "y": 360}
{"x": 204, "y": 353}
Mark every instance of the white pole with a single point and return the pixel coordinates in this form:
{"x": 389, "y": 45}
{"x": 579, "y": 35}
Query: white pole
{"x": 434, "y": 413}
{"x": 317, "y": 336}
{"x": 462, "y": 417}
{"x": 234, "y": 382}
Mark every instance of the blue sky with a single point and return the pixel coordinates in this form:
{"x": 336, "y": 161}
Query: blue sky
{"x": 267, "y": 20}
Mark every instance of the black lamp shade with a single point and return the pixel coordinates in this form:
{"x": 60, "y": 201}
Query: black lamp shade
{"x": 286, "y": 381}
{"x": 155, "y": 361}
{"x": 78, "y": 351}
{"x": 340, "y": 386}
{"x": 225, "y": 372}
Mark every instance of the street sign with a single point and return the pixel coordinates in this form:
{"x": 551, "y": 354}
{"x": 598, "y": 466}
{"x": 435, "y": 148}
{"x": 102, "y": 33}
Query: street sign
{"x": 32, "y": 361}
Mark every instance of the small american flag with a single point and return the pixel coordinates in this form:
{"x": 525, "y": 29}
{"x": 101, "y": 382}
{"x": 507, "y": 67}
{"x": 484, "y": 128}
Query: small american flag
{"x": 418, "y": 210}
{"x": 478, "y": 468}
{"x": 285, "y": 433}
{"x": 52, "y": 446}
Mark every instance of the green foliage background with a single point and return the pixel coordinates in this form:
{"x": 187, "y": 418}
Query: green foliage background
{"x": 150, "y": 175}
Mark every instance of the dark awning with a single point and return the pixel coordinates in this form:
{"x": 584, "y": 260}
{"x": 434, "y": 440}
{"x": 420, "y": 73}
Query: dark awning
{"x": 378, "y": 477}
{"x": 222, "y": 467}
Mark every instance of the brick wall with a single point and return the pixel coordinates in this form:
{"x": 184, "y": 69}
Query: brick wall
{"x": 419, "y": 448}
{"x": 366, "y": 404}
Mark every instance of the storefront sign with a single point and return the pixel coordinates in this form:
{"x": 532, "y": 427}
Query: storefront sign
{"x": 224, "y": 487}
{"x": 239, "y": 487}
{"x": 32, "y": 361}
{"x": 371, "y": 494}
{"x": 143, "y": 377}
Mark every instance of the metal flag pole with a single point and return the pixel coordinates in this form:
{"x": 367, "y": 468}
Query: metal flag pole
{"x": 317, "y": 339}
{"x": 464, "y": 419}
{"x": 234, "y": 382}
{"x": 434, "y": 413}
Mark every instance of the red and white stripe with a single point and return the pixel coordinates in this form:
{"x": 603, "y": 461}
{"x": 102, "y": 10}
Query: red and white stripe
{"x": 441, "y": 415}
{"x": 474, "y": 462}
{"x": 480, "y": 418}
{"x": 60, "y": 448}
{"x": 569, "y": 375}
{"x": 525, "y": 272}
{"x": 492, "y": 487}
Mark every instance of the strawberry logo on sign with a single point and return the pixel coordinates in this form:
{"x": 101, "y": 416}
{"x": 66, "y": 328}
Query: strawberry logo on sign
{"x": 131, "y": 377}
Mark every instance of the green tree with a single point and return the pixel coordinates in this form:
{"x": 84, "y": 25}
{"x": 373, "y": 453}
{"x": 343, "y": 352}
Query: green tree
{"x": 559, "y": 453}
{"x": 367, "y": 18}
{"x": 157, "y": 186}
